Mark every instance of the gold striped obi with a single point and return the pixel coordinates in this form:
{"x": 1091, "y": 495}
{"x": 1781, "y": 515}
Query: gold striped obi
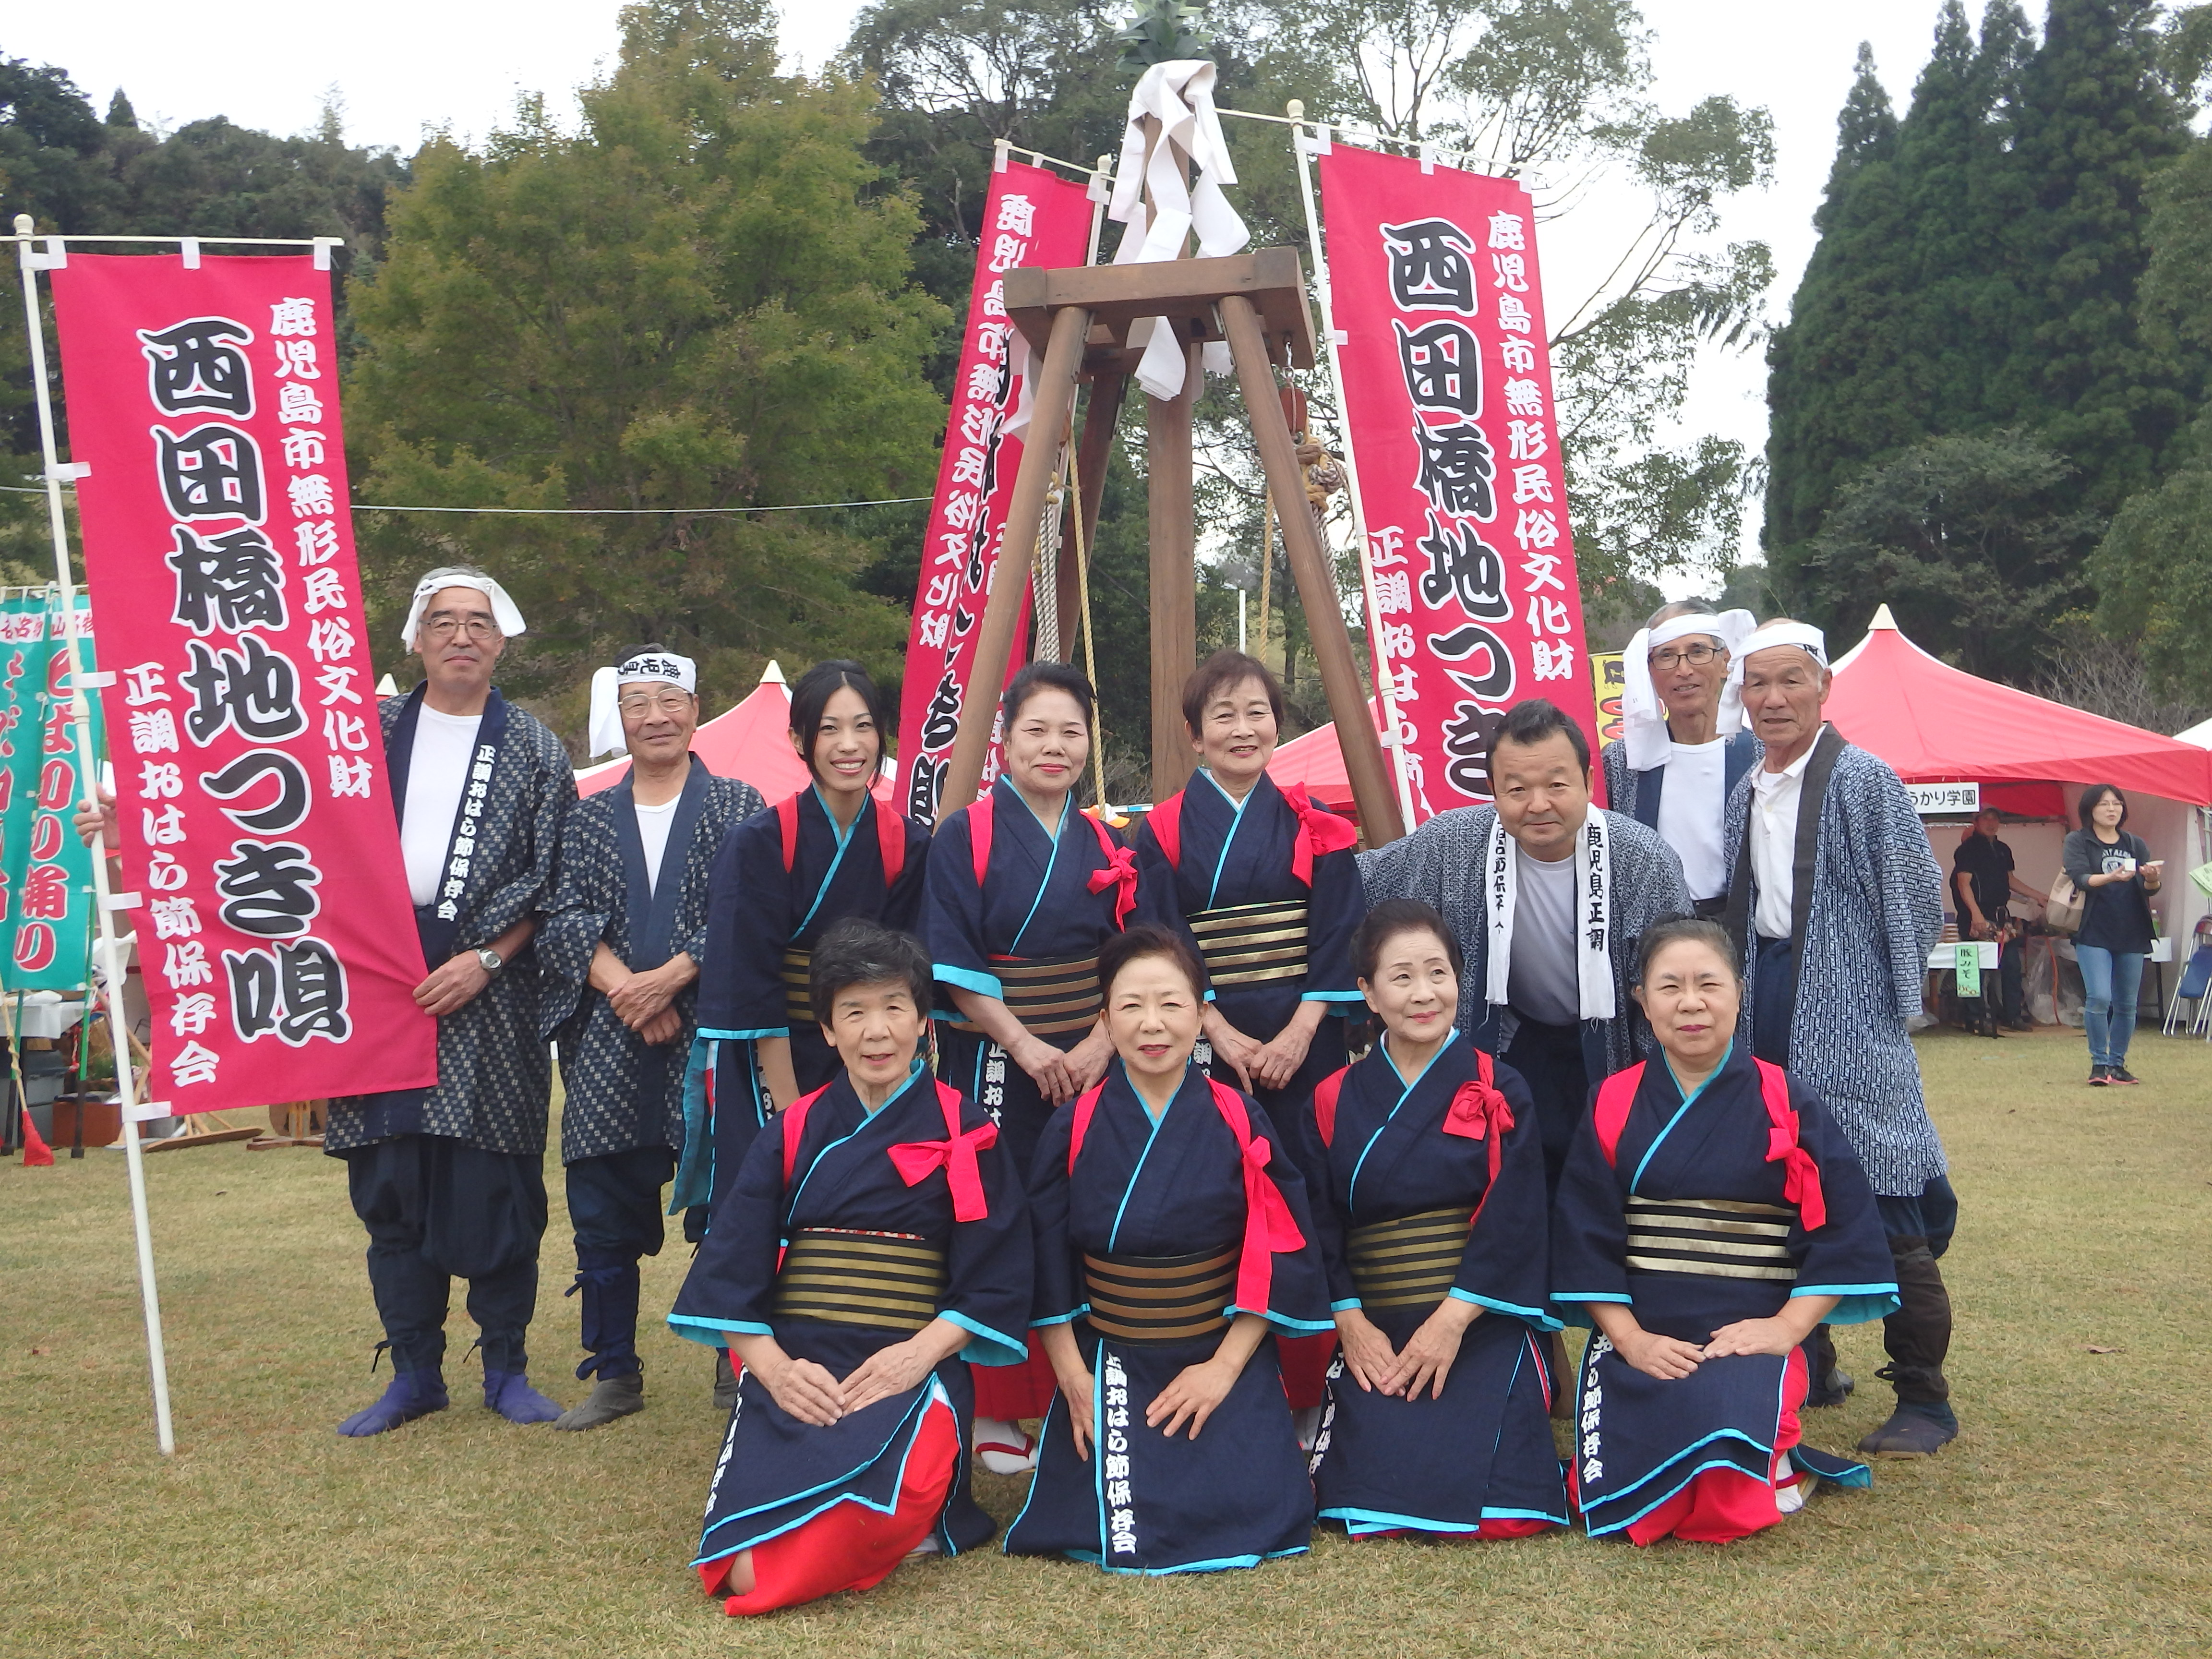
{"x": 1252, "y": 943}
{"x": 797, "y": 987}
{"x": 1155, "y": 1299}
{"x": 1409, "y": 1262}
{"x": 887, "y": 1281}
{"x": 1050, "y": 996}
{"x": 1717, "y": 1237}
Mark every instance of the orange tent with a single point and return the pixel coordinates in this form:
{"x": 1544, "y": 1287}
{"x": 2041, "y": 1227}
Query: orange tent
{"x": 751, "y": 742}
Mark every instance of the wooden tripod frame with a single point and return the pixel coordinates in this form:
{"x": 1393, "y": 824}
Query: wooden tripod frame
{"x": 1079, "y": 317}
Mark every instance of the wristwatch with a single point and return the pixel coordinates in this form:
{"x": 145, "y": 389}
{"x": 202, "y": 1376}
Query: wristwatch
{"x": 488, "y": 960}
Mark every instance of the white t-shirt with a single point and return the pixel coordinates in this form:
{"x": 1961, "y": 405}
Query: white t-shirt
{"x": 1774, "y": 798}
{"x": 1542, "y": 980}
{"x": 1691, "y": 804}
{"x": 653, "y": 824}
{"x": 437, "y": 772}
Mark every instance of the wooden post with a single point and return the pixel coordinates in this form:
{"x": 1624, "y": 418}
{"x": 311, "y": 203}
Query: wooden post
{"x": 1100, "y": 416}
{"x": 1363, "y": 764}
{"x": 994, "y": 644}
{"x": 1174, "y": 572}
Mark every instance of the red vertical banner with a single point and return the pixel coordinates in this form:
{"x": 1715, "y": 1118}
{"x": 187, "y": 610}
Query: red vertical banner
{"x": 1448, "y": 405}
{"x": 275, "y": 930}
{"x": 1032, "y": 216}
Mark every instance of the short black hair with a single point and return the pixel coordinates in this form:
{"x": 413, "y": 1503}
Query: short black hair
{"x": 1531, "y": 721}
{"x": 1393, "y": 917}
{"x": 1148, "y": 938}
{"x": 1048, "y": 677}
{"x": 2096, "y": 792}
{"x": 1677, "y": 929}
{"x": 811, "y": 694}
{"x": 858, "y": 951}
{"x": 1216, "y": 675}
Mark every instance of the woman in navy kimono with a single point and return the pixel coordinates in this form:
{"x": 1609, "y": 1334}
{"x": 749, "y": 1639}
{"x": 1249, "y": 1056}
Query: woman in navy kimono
{"x": 1172, "y": 1240}
{"x": 1425, "y": 1165}
{"x": 1262, "y": 882}
{"x": 873, "y": 1239}
{"x": 783, "y": 879}
{"x": 1022, "y": 890}
{"x": 1710, "y": 1214}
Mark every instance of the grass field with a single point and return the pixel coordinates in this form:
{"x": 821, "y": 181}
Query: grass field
{"x": 2070, "y": 1518}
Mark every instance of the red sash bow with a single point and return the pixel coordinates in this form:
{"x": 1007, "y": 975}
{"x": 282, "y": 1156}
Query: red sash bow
{"x": 1801, "y": 1176}
{"x": 1268, "y": 1227}
{"x": 1320, "y": 831}
{"x": 955, "y": 1154}
{"x": 1480, "y": 1111}
{"x": 1120, "y": 867}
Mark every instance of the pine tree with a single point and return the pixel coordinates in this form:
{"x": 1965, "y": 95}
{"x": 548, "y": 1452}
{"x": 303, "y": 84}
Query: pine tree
{"x": 1832, "y": 385}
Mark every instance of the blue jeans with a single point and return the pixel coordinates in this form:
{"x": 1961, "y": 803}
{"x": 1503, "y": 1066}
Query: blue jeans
{"x": 2112, "y": 984}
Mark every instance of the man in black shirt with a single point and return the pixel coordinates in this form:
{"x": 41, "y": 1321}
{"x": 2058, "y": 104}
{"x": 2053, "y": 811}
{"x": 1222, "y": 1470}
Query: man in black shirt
{"x": 1981, "y": 886}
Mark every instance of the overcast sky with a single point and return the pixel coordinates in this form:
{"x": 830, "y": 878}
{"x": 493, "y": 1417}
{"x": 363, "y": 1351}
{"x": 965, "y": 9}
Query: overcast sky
{"x": 420, "y": 64}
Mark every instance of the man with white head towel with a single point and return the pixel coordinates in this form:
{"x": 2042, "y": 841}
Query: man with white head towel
{"x": 1836, "y": 899}
{"x": 449, "y": 1181}
{"x": 1683, "y": 745}
{"x": 622, "y": 950}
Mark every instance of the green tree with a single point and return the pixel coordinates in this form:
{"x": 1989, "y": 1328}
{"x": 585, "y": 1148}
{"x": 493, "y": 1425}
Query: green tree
{"x": 701, "y": 300}
{"x": 1974, "y": 542}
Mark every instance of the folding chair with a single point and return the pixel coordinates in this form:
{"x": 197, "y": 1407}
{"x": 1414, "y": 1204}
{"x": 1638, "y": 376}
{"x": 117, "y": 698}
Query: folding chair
{"x": 2192, "y": 986}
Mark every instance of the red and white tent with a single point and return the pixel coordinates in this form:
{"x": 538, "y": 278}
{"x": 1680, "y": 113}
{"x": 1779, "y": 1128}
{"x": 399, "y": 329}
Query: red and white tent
{"x": 750, "y": 742}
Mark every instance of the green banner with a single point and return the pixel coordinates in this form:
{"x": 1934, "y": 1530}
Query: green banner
{"x": 46, "y": 869}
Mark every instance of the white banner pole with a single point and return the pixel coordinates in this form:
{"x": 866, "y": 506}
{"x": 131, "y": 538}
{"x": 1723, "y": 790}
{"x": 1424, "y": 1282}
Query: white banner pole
{"x": 111, "y": 948}
{"x": 1377, "y": 646}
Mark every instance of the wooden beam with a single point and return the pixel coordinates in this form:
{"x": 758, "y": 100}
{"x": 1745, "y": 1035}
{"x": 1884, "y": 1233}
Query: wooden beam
{"x": 994, "y": 643}
{"x": 1100, "y": 416}
{"x": 1174, "y": 572}
{"x": 1364, "y": 763}
{"x": 1188, "y": 291}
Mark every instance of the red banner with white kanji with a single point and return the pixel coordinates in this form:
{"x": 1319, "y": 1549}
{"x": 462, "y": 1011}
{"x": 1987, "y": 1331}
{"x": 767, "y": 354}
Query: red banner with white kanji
{"x": 1448, "y": 405}
{"x": 276, "y": 934}
{"x": 1032, "y": 216}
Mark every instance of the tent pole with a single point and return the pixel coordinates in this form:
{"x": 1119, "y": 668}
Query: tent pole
{"x": 104, "y": 904}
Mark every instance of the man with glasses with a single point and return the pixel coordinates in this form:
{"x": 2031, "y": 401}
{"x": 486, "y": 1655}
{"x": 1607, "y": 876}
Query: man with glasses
{"x": 1681, "y": 748}
{"x": 449, "y": 1181}
{"x": 621, "y": 952}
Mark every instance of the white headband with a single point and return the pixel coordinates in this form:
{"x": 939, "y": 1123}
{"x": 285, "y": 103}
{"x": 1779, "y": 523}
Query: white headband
{"x": 662, "y": 667}
{"x": 1644, "y": 717}
{"x": 1768, "y": 635}
{"x": 502, "y": 608}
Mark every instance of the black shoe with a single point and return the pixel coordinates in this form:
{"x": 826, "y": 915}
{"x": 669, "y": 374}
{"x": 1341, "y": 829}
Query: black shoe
{"x": 2099, "y": 1075}
{"x": 1911, "y": 1431}
{"x": 1832, "y": 1390}
{"x": 2120, "y": 1074}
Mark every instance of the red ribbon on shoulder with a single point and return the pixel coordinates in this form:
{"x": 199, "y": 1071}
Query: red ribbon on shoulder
{"x": 1120, "y": 867}
{"x": 1320, "y": 831}
{"x": 955, "y": 1155}
{"x": 1268, "y": 1227}
{"x": 1480, "y": 1111}
{"x": 1801, "y": 1176}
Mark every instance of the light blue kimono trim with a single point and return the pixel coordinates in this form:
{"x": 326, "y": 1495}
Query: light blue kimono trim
{"x": 1404, "y": 1093}
{"x": 989, "y": 1347}
{"x": 915, "y": 1071}
{"x": 1535, "y": 1316}
{"x": 1236, "y": 822}
{"x": 1137, "y": 1174}
{"x": 1688, "y": 1101}
{"x": 740, "y": 1036}
{"x": 1576, "y": 1316}
{"x": 1710, "y": 1463}
{"x": 692, "y": 1326}
{"x": 1348, "y": 1302}
{"x": 1334, "y": 996}
{"x": 1061, "y": 1319}
{"x": 1044, "y": 1429}
{"x": 1362, "y": 1523}
{"x": 1861, "y": 1303}
{"x": 910, "y": 1424}
{"x": 983, "y": 985}
{"x": 844, "y": 839}
{"x": 1051, "y": 864}
{"x": 695, "y": 1171}
{"x": 1219, "y": 1564}
{"x": 1296, "y": 1327}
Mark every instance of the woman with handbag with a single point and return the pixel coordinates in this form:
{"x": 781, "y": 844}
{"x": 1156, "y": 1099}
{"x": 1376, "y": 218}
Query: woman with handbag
{"x": 2115, "y": 875}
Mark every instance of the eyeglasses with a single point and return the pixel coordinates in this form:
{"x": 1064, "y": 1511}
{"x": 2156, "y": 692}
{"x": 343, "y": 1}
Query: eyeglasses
{"x": 664, "y": 703}
{"x": 441, "y": 629}
{"x": 1667, "y": 657}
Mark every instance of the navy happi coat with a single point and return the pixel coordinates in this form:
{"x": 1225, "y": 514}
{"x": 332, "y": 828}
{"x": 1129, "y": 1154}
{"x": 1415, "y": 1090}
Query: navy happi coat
{"x": 1377, "y": 1149}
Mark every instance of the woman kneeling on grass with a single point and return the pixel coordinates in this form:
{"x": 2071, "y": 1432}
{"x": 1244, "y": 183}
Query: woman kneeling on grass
{"x": 1427, "y": 1167}
{"x": 875, "y": 1235}
{"x": 1710, "y": 1215}
{"x": 1172, "y": 1233}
